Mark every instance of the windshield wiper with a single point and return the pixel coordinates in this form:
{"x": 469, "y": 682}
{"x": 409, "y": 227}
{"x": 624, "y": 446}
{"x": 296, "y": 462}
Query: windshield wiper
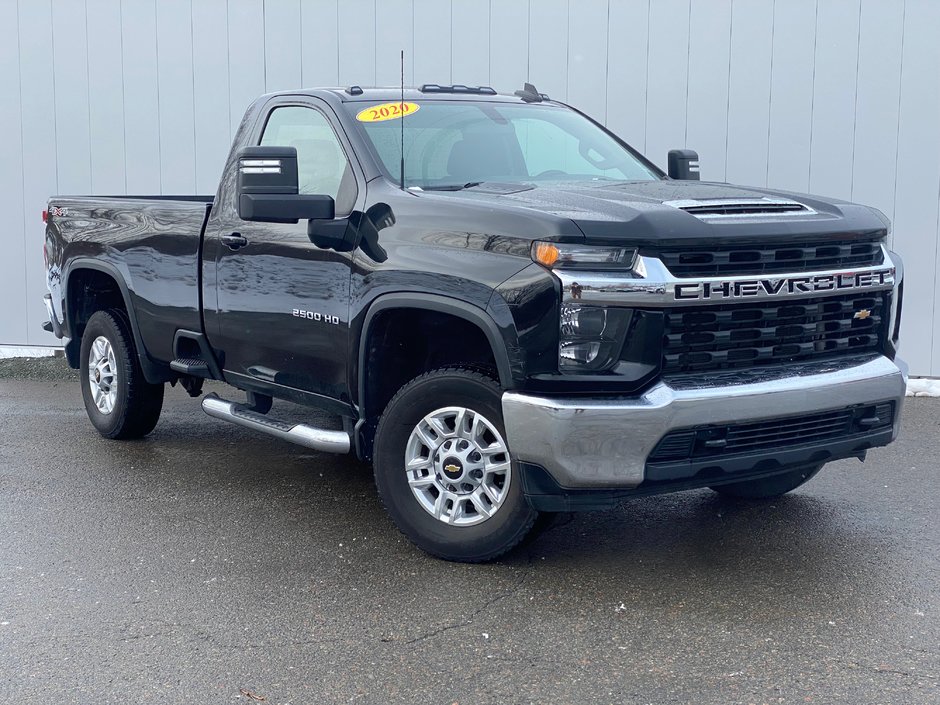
{"x": 449, "y": 187}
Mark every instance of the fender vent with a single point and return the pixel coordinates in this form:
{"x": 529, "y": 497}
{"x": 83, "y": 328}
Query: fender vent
{"x": 741, "y": 207}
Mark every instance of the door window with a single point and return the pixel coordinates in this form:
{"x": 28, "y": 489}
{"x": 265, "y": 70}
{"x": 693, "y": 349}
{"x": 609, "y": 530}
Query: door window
{"x": 322, "y": 167}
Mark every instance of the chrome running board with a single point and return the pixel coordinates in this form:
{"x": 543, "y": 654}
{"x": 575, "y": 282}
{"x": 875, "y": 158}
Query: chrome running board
{"x": 301, "y": 434}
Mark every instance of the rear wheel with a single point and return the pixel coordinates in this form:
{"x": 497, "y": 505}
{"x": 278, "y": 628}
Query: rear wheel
{"x": 443, "y": 468}
{"x": 119, "y": 401}
{"x": 769, "y": 487}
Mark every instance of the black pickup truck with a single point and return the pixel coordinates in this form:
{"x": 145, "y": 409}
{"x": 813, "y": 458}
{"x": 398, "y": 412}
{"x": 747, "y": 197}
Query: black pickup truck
{"x": 510, "y": 309}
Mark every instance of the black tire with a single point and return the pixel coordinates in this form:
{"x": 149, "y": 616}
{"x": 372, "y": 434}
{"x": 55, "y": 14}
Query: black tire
{"x": 510, "y": 522}
{"x": 138, "y": 403}
{"x": 769, "y": 487}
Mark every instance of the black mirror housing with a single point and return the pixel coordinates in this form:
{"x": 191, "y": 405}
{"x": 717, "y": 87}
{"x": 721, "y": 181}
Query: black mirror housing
{"x": 683, "y": 164}
{"x": 285, "y": 208}
{"x": 267, "y": 188}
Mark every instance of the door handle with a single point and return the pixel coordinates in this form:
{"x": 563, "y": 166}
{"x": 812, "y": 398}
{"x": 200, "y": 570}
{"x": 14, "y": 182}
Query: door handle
{"x": 234, "y": 241}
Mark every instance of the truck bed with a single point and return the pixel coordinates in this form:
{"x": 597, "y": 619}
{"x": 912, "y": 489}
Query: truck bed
{"x": 153, "y": 242}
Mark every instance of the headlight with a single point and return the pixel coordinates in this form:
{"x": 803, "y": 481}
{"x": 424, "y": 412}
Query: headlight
{"x": 562, "y": 256}
{"x": 590, "y": 337}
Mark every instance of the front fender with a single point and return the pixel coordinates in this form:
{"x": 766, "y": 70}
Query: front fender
{"x": 496, "y": 336}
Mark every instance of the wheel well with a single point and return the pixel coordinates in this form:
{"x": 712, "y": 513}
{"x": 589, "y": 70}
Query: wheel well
{"x": 405, "y": 342}
{"x": 89, "y": 290}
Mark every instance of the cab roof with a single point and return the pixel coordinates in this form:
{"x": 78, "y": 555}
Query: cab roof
{"x": 432, "y": 91}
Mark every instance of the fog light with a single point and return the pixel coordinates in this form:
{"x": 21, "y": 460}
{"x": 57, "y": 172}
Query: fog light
{"x": 580, "y": 353}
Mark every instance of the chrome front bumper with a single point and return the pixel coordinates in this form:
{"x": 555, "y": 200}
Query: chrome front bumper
{"x": 604, "y": 443}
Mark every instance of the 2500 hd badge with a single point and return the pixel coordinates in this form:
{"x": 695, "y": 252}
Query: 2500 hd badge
{"x": 783, "y": 286}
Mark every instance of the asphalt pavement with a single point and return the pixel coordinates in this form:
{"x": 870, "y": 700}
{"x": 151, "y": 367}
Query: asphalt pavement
{"x": 206, "y": 564}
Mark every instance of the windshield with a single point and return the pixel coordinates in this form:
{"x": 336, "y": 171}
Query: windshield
{"x": 458, "y": 144}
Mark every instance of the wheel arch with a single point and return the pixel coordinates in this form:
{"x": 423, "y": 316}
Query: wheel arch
{"x": 153, "y": 373}
{"x": 463, "y": 311}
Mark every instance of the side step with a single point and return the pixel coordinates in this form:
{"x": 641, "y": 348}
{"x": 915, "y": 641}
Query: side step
{"x": 302, "y": 434}
{"x": 191, "y": 366}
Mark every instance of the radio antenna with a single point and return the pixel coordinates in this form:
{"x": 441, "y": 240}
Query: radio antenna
{"x": 401, "y": 119}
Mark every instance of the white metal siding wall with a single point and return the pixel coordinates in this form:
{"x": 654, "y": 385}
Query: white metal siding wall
{"x": 838, "y": 97}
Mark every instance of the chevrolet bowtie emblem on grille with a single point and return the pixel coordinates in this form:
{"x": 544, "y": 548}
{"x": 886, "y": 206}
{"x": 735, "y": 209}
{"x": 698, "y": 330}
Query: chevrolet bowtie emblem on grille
{"x": 863, "y": 314}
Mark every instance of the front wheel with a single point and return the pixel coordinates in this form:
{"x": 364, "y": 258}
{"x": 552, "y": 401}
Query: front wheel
{"x": 119, "y": 401}
{"x": 444, "y": 471}
{"x": 769, "y": 487}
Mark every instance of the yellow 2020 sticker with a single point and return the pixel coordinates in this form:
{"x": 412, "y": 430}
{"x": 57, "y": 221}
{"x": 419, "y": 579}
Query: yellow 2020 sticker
{"x": 386, "y": 111}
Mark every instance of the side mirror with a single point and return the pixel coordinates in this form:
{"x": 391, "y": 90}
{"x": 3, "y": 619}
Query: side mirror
{"x": 683, "y": 164}
{"x": 267, "y": 188}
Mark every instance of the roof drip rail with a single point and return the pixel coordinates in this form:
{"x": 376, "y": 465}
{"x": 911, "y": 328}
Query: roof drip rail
{"x": 530, "y": 94}
{"x": 457, "y": 88}
{"x": 354, "y": 90}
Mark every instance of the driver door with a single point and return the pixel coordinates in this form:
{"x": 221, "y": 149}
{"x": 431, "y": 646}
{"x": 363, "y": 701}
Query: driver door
{"x": 283, "y": 302}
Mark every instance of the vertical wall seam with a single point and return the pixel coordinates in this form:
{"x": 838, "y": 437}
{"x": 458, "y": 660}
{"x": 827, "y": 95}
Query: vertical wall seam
{"x": 688, "y": 76}
{"x": 607, "y": 72}
{"x": 728, "y": 100}
{"x": 374, "y": 45}
{"x": 858, "y": 54}
{"x": 156, "y": 53}
{"x": 19, "y": 79}
{"x": 401, "y": 57}
{"x": 812, "y": 101}
{"x": 192, "y": 74}
{"x": 936, "y": 295}
{"x": 91, "y": 170}
{"x": 264, "y": 43}
{"x": 567, "y": 92}
{"x": 55, "y": 117}
{"x": 55, "y": 107}
{"x": 770, "y": 85}
{"x": 123, "y": 93}
{"x": 607, "y": 65}
{"x": 489, "y": 43}
{"x": 646, "y": 82}
{"x": 528, "y": 49}
{"x": 338, "y": 71}
{"x": 897, "y": 136}
{"x": 450, "y": 39}
{"x": 228, "y": 70}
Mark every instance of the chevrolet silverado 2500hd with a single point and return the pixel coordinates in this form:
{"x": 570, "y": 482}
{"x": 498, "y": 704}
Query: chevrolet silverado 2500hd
{"x": 510, "y": 309}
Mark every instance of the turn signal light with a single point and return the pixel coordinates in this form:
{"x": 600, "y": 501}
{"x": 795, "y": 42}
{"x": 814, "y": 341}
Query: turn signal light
{"x": 545, "y": 253}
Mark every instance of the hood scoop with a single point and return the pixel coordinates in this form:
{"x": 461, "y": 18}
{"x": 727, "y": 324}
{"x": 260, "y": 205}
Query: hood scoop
{"x": 741, "y": 207}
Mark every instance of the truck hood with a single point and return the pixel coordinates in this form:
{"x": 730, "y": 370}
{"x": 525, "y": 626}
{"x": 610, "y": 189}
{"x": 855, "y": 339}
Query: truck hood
{"x": 645, "y": 213}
